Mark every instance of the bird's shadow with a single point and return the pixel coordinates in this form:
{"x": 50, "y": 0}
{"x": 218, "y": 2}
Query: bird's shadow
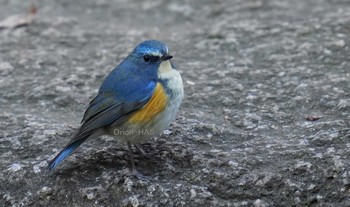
{"x": 113, "y": 159}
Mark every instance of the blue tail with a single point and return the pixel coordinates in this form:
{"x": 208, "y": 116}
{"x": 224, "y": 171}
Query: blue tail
{"x": 68, "y": 150}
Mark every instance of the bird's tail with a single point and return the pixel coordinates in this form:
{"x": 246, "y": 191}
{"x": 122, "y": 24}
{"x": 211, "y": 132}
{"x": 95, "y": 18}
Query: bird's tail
{"x": 68, "y": 150}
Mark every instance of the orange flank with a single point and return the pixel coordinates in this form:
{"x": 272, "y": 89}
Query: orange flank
{"x": 155, "y": 106}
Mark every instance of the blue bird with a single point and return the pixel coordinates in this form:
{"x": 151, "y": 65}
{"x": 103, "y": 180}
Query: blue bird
{"x": 137, "y": 100}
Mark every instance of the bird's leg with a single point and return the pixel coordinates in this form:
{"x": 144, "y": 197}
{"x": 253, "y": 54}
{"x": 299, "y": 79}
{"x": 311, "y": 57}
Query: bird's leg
{"x": 134, "y": 171}
{"x": 138, "y": 147}
{"x": 131, "y": 154}
{"x": 143, "y": 153}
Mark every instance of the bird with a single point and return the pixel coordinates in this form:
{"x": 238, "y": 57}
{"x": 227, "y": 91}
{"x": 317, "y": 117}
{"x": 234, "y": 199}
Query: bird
{"x": 137, "y": 100}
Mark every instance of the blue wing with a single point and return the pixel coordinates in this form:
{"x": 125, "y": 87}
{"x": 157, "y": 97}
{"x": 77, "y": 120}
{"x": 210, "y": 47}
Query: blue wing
{"x": 117, "y": 98}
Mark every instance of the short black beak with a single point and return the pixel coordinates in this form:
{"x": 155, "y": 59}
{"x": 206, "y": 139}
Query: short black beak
{"x": 167, "y": 57}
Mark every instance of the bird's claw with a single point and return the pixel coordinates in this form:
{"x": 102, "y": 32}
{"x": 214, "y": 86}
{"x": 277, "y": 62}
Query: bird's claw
{"x": 140, "y": 176}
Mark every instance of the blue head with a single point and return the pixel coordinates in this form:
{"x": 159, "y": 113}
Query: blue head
{"x": 145, "y": 59}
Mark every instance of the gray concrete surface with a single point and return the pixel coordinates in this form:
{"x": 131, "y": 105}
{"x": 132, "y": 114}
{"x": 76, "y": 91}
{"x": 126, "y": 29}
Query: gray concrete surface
{"x": 258, "y": 74}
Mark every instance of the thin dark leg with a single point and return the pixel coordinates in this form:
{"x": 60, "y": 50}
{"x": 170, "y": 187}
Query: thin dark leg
{"x": 131, "y": 154}
{"x": 134, "y": 171}
{"x": 139, "y": 148}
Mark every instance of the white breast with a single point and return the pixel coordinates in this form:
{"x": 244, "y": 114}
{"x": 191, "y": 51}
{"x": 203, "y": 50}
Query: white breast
{"x": 173, "y": 81}
{"x": 174, "y": 84}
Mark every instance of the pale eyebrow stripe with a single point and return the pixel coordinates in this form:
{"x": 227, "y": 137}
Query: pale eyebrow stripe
{"x": 155, "y": 54}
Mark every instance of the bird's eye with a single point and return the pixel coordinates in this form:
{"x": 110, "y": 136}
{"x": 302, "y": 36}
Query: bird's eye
{"x": 146, "y": 58}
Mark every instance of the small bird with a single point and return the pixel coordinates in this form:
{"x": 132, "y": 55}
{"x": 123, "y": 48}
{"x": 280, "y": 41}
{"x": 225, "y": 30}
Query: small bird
{"x": 137, "y": 100}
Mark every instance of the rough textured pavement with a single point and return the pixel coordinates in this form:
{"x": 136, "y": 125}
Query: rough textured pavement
{"x": 265, "y": 121}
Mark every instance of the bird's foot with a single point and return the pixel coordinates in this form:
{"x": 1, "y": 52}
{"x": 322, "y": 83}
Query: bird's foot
{"x": 140, "y": 176}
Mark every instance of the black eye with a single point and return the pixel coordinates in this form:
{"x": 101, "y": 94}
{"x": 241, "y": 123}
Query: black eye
{"x": 146, "y": 58}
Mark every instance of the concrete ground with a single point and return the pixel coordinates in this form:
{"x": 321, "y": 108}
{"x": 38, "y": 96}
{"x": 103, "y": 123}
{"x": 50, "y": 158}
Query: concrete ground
{"x": 265, "y": 120}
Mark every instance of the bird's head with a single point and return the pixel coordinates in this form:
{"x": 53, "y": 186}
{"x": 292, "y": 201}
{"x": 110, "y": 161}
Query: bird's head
{"x": 147, "y": 58}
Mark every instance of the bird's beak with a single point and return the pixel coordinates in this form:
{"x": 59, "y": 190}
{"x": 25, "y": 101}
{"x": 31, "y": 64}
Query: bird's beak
{"x": 166, "y": 57}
